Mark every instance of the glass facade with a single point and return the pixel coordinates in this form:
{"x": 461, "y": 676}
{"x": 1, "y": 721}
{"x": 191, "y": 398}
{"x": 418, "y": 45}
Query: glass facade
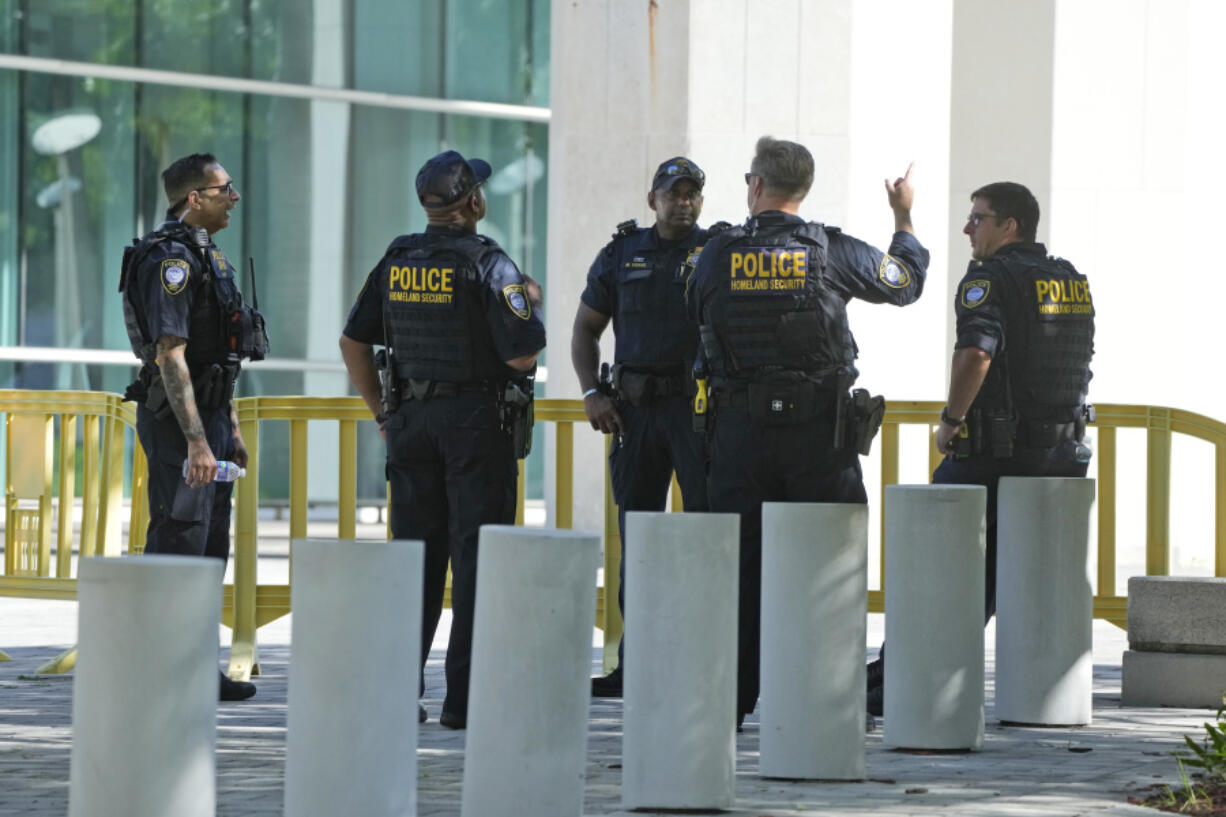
{"x": 325, "y": 184}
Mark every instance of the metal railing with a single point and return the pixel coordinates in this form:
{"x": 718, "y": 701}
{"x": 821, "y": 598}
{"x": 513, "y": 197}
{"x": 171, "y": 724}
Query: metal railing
{"x": 39, "y": 423}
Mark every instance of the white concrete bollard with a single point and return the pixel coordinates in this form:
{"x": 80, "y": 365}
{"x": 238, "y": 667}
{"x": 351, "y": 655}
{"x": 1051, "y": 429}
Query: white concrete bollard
{"x": 814, "y": 614}
{"x": 351, "y": 740}
{"x": 526, "y": 748}
{"x": 1044, "y": 601}
{"x": 679, "y": 722}
{"x": 144, "y": 701}
{"x": 934, "y": 566}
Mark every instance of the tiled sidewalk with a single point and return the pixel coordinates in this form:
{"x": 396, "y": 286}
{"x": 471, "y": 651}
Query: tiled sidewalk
{"x": 1019, "y": 772}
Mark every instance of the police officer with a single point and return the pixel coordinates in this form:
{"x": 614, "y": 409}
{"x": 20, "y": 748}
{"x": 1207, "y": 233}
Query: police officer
{"x": 187, "y": 323}
{"x": 1021, "y": 363}
{"x": 638, "y": 280}
{"x": 770, "y": 298}
{"x": 462, "y": 331}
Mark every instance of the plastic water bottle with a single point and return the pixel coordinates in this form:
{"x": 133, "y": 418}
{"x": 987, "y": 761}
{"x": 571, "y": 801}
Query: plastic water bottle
{"x": 226, "y": 471}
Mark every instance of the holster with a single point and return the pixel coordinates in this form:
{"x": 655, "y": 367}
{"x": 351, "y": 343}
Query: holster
{"x": 389, "y": 386}
{"x": 156, "y": 400}
{"x": 863, "y": 416}
{"x": 516, "y": 406}
{"x": 1001, "y": 428}
{"x": 215, "y": 385}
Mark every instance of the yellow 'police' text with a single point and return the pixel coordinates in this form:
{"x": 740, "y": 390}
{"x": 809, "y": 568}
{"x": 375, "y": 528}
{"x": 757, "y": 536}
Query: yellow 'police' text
{"x": 769, "y": 268}
{"x": 428, "y": 285}
{"x": 1063, "y": 297}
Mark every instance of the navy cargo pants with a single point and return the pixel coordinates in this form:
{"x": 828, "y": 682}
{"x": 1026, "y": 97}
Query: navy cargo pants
{"x": 451, "y": 471}
{"x": 752, "y": 464}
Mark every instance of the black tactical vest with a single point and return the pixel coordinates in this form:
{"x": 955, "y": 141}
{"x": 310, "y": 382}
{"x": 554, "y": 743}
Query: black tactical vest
{"x": 434, "y": 313}
{"x": 1049, "y": 343}
{"x": 221, "y": 327}
{"x": 772, "y": 307}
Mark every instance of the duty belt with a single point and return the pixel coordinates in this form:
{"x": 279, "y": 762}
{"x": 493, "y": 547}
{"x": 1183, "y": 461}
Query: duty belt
{"x": 638, "y": 388}
{"x": 429, "y": 389}
{"x": 739, "y": 397}
{"x": 1041, "y": 434}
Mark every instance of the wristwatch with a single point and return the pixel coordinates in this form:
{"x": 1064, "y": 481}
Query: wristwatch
{"x": 590, "y": 392}
{"x": 948, "y": 420}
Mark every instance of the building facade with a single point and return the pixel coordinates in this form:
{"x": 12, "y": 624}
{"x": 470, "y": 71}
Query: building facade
{"x": 321, "y": 110}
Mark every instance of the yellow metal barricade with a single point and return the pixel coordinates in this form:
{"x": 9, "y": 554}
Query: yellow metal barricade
{"x": 37, "y": 424}
{"x": 83, "y": 433}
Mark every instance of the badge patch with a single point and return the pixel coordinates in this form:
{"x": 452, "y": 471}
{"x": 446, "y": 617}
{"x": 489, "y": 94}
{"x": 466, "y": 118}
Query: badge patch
{"x": 517, "y": 301}
{"x": 975, "y": 293}
{"x": 893, "y": 273}
{"x": 175, "y": 272}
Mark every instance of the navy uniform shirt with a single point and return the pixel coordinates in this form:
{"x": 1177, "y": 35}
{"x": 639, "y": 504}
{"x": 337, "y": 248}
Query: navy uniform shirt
{"x": 854, "y": 268}
{"x": 511, "y": 334}
{"x": 639, "y": 280}
{"x": 167, "y": 285}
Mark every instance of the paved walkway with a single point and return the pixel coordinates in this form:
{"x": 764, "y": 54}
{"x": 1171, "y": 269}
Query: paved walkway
{"x": 1019, "y": 772}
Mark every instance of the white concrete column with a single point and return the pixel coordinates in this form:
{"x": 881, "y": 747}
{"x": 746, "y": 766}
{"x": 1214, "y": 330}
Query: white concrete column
{"x": 351, "y": 742}
{"x": 144, "y": 701}
{"x": 682, "y": 585}
{"x": 814, "y": 612}
{"x": 996, "y": 137}
{"x": 324, "y": 288}
{"x": 525, "y": 751}
{"x": 1044, "y": 601}
{"x": 934, "y": 567}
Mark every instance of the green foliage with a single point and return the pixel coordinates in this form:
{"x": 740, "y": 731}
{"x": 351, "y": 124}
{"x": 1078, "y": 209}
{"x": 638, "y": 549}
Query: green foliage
{"x": 1210, "y": 754}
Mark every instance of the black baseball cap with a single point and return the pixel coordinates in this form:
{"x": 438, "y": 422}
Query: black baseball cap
{"x": 671, "y": 171}
{"x": 450, "y": 177}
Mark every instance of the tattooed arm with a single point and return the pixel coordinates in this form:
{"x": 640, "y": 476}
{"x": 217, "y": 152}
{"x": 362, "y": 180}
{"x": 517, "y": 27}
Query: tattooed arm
{"x": 202, "y": 465}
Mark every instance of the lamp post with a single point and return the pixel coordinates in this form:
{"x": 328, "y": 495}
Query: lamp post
{"x": 64, "y": 132}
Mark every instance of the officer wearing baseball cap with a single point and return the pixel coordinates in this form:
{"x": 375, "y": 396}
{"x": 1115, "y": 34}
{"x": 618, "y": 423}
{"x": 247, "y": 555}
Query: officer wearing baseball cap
{"x": 638, "y": 281}
{"x": 461, "y": 330}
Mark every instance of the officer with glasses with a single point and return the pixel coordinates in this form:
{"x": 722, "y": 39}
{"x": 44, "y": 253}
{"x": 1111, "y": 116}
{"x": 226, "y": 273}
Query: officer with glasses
{"x": 1020, "y": 372}
{"x": 188, "y": 324}
{"x": 461, "y": 330}
{"x": 638, "y": 282}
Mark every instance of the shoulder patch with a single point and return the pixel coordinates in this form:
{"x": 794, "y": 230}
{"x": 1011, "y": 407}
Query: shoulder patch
{"x": 893, "y": 273}
{"x": 974, "y": 293}
{"x": 175, "y": 272}
{"x": 517, "y": 301}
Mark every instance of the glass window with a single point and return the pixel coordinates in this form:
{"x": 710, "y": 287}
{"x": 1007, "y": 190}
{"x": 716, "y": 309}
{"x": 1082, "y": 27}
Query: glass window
{"x": 325, "y": 185}
{"x": 419, "y": 47}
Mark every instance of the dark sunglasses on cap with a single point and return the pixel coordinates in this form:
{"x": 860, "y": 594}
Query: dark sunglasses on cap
{"x": 689, "y": 171}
